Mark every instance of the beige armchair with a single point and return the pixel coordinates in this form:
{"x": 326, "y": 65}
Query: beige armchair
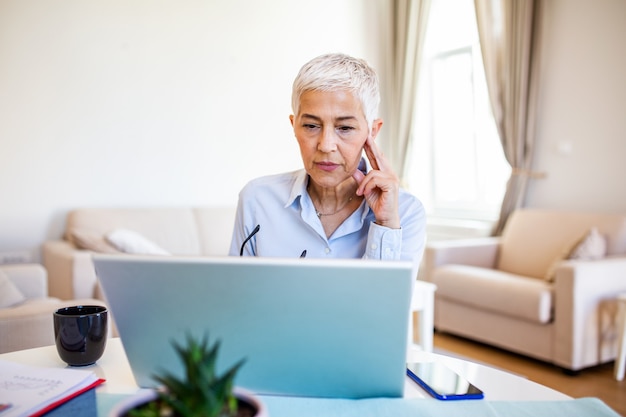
{"x": 27, "y": 321}
{"x": 546, "y": 288}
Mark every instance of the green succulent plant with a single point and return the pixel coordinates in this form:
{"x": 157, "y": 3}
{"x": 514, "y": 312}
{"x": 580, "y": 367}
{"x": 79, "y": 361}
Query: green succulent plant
{"x": 201, "y": 393}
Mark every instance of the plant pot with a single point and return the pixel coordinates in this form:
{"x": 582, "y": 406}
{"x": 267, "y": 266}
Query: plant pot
{"x": 145, "y": 396}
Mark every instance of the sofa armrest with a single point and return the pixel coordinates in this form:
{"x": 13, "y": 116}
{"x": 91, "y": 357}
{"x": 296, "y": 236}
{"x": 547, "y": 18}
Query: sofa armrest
{"x": 585, "y": 306}
{"x": 58, "y": 258}
{"x": 482, "y": 252}
{"x": 30, "y": 279}
{"x": 70, "y": 270}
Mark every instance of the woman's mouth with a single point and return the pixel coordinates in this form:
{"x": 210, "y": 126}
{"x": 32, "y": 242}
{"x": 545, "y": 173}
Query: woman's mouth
{"x": 326, "y": 166}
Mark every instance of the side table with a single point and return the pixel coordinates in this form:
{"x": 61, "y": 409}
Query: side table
{"x": 620, "y": 360}
{"x": 423, "y": 303}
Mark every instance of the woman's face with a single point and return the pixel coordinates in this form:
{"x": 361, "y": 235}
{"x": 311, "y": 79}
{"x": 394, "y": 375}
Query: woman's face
{"x": 331, "y": 130}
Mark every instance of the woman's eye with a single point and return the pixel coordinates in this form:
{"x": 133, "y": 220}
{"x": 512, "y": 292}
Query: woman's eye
{"x": 345, "y": 128}
{"x": 309, "y": 126}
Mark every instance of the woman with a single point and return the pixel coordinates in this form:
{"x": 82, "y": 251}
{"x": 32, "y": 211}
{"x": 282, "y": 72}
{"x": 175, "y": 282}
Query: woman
{"x": 337, "y": 206}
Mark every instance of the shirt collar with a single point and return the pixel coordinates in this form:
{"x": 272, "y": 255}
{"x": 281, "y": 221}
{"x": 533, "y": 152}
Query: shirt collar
{"x": 298, "y": 188}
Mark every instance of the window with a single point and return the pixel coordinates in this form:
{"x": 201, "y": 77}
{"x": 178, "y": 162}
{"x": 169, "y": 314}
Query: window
{"x": 457, "y": 166}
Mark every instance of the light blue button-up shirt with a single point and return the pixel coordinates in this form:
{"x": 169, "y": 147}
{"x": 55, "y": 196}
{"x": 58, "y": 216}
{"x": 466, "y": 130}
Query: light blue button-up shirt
{"x": 288, "y": 225}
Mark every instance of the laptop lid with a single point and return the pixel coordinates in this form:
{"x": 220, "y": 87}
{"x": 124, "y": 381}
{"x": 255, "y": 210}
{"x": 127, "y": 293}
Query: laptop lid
{"x": 306, "y": 327}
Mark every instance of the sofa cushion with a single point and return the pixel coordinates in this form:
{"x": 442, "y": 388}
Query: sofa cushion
{"x": 129, "y": 241}
{"x": 215, "y": 229}
{"x": 10, "y": 295}
{"x": 532, "y": 238}
{"x": 173, "y": 229}
{"x": 495, "y": 291}
{"x": 95, "y": 242}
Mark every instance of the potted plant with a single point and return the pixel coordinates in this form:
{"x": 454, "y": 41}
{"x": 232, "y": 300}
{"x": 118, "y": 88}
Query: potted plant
{"x": 201, "y": 393}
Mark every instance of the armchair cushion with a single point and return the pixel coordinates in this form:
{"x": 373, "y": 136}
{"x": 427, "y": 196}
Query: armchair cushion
{"x": 591, "y": 247}
{"x": 496, "y": 291}
{"x": 10, "y": 295}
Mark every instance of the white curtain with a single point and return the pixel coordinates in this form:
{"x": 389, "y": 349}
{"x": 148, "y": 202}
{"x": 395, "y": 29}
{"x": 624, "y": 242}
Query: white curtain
{"x": 407, "y": 27}
{"x": 509, "y": 32}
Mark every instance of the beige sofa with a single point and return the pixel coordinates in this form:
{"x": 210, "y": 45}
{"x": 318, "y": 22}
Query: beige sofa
{"x": 26, "y": 322}
{"x": 195, "y": 231}
{"x": 526, "y": 292}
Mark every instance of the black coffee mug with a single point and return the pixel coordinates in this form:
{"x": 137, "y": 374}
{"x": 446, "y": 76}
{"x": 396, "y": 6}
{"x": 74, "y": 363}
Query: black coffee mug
{"x": 80, "y": 334}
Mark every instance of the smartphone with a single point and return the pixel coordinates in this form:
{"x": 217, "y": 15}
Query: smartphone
{"x": 442, "y": 382}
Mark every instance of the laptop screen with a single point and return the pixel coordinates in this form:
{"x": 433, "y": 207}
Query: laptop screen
{"x": 305, "y": 327}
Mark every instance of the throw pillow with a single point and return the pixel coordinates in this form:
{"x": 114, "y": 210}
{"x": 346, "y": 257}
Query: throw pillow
{"x": 10, "y": 295}
{"x": 591, "y": 246}
{"x": 129, "y": 241}
{"x": 92, "y": 241}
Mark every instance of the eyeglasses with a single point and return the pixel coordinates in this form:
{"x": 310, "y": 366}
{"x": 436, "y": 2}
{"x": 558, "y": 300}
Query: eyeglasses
{"x": 254, "y": 232}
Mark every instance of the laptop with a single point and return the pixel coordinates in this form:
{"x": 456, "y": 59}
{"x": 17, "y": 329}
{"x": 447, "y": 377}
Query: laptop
{"x": 305, "y": 327}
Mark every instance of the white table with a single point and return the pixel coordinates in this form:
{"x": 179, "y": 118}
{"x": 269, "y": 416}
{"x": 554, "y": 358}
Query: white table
{"x": 423, "y": 303}
{"x": 620, "y": 360}
{"x": 497, "y": 385}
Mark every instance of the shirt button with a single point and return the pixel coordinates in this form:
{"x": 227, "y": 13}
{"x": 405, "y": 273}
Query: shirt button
{"x": 327, "y": 250}
{"x": 374, "y": 246}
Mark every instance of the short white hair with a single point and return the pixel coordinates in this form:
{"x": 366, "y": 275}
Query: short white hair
{"x": 336, "y": 72}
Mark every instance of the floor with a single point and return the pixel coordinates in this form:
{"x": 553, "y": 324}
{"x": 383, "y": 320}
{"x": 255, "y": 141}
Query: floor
{"x": 593, "y": 382}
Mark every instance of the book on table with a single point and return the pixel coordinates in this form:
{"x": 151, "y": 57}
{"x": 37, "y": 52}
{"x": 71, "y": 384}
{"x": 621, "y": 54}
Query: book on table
{"x": 33, "y": 391}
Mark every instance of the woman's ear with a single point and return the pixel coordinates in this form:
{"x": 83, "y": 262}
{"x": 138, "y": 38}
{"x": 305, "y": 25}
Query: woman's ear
{"x": 376, "y": 125}
{"x": 291, "y": 119}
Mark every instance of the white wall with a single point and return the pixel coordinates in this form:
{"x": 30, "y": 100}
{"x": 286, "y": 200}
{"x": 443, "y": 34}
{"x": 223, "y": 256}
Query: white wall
{"x": 582, "y": 116}
{"x": 142, "y": 103}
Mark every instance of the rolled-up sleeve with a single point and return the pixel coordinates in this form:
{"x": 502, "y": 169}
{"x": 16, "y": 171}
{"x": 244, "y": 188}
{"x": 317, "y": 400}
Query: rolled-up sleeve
{"x": 383, "y": 243}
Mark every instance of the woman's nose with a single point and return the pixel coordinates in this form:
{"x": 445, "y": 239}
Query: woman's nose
{"x": 327, "y": 141}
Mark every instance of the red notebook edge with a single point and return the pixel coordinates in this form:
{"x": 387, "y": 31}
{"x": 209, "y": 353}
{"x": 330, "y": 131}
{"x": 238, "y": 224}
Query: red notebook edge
{"x": 63, "y": 400}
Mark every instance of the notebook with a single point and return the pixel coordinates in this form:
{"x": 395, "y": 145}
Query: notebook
{"x": 305, "y": 327}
